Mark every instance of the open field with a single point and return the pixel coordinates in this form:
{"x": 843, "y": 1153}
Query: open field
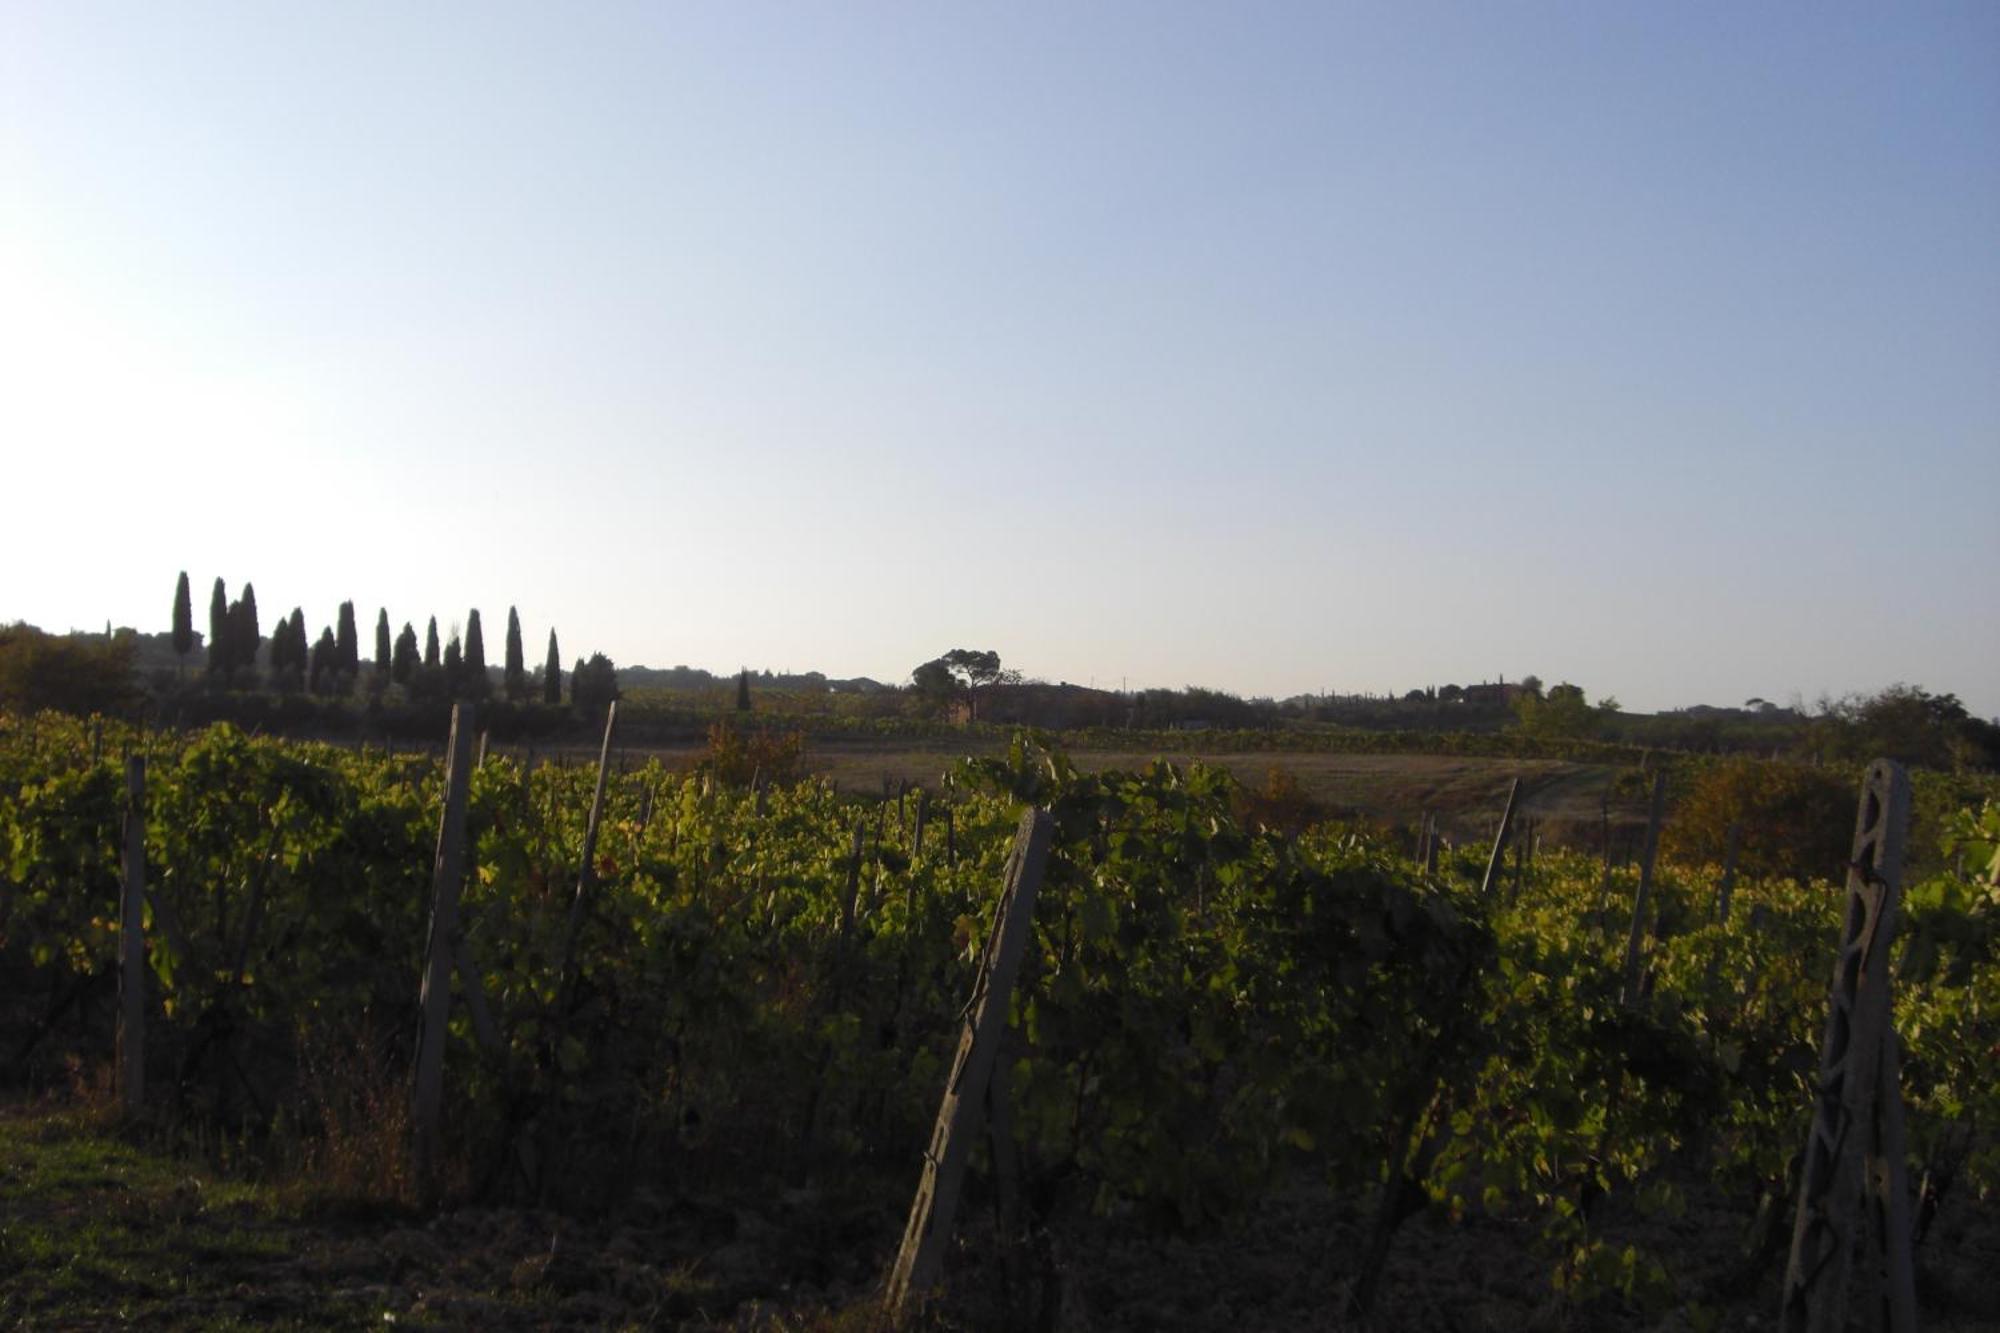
{"x": 1465, "y": 792}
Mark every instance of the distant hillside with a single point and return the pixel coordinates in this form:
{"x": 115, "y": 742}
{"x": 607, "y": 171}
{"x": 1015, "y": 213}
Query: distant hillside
{"x": 695, "y": 678}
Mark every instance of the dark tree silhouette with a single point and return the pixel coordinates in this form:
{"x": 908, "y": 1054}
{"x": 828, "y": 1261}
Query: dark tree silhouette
{"x": 218, "y": 630}
{"x": 743, "y": 690}
{"x": 552, "y": 674}
{"x": 383, "y": 652}
{"x": 183, "y": 618}
{"x": 403, "y": 667}
{"x": 431, "y": 644}
{"x": 515, "y": 679}
{"x": 325, "y": 663}
{"x": 476, "y": 684}
{"x": 454, "y": 669}
{"x": 347, "y": 644}
{"x": 244, "y": 636}
{"x": 593, "y": 685}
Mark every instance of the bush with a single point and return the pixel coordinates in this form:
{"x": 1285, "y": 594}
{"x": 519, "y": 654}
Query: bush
{"x": 735, "y": 757}
{"x": 1794, "y": 820}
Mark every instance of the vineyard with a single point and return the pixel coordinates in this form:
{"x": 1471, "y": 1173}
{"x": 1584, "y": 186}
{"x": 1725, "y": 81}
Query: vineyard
{"x": 733, "y": 1006}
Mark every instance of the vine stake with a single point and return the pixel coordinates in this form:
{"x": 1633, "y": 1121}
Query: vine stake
{"x": 132, "y": 945}
{"x": 435, "y": 998}
{"x": 1494, "y": 862}
{"x": 1852, "y": 1191}
{"x": 921, "y": 1258}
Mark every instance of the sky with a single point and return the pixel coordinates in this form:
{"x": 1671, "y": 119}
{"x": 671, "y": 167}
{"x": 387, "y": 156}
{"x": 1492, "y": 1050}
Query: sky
{"x": 1280, "y": 348}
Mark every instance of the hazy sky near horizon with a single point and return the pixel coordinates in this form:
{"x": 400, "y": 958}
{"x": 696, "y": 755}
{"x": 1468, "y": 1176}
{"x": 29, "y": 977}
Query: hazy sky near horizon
{"x": 1277, "y": 348}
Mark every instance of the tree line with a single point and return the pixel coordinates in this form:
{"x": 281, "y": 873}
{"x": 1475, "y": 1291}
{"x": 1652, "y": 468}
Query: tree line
{"x": 331, "y": 665}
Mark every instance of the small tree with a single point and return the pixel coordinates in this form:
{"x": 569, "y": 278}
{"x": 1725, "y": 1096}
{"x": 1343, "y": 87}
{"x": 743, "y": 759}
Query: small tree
{"x": 962, "y": 673}
{"x": 514, "y": 680}
{"x": 347, "y": 647}
{"x": 244, "y": 636}
{"x": 183, "y": 619}
{"x": 218, "y": 630}
{"x": 325, "y": 668}
{"x": 454, "y": 669}
{"x": 403, "y": 667}
{"x": 593, "y": 685}
{"x": 476, "y": 684}
{"x": 288, "y": 652}
{"x": 384, "y": 654}
{"x": 552, "y": 674}
{"x": 743, "y": 690}
{"x": 1562, "y": 714}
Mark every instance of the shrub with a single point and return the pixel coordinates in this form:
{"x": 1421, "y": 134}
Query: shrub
{"x": 1794, "y": 820}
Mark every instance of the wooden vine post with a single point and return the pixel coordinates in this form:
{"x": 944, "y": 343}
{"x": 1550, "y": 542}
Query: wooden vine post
{"x": 447, "y": 870}
{"x": 1494, "y": 862}
{"x": 586, "y": 874}
{"x": 1655, "y": 812}
{"x": 1853, "y": 1196}
{"x": 132, "y": 945}
{"x": 920, "y": 1261}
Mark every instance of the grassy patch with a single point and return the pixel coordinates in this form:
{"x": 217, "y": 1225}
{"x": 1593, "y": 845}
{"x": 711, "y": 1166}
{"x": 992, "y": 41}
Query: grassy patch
{"x": 96, "y": 1230}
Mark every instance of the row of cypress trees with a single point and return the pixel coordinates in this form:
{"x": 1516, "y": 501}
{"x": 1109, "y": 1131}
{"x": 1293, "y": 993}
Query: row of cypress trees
{"x": 331, "y": 665}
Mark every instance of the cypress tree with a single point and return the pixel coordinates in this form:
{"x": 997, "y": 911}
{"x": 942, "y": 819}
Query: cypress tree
{"x": 454, "y": 669}
{"x": 552, "y": 674}
{"x": 288, "y": 651}
{"x": 347, "y": 642}
{"x": 295, "y": 630}
{"x": 431, "y": 644}
{"x": 281, "y": 654}
{"x": 325, "y": 662}
{"x": 743, "y": 690}
{"x": 183, "y": 618}
{"x": 404, "y": 665}
{"x": 218, "y": 630}
{"x": 247, "y": 636}
{"x": 476, "y": 684}
{"x": 515, "y": 678}
{"x": 382, "y": 649}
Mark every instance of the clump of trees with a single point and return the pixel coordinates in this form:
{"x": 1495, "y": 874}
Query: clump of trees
{"x": 71, "y": 673}
{"x": 1905, "y": 722}
{"x": 961, "y": 676}
{"x": 331, "y": 666}
{"x": 1562, "y": 713}
{"x": 1790, "y": 819}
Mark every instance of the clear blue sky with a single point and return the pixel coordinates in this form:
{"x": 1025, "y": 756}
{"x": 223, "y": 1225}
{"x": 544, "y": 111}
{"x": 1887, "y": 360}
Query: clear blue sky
{"x": 1276, "y": 348}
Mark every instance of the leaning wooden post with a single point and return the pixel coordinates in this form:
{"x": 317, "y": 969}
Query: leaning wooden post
{"x": 132, "y": 945}
{"x": 447, "y": 870}
{"x": 1494, "y": 861}
{"x": 920, "y": 1261}
{"x": 586, "y": 874}
{"x": 1852, "y": 1186}
{"x": 1633, "y": 939}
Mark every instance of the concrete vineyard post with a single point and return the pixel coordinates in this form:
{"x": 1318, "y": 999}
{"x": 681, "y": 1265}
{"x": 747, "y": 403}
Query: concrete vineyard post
{"x": 920, "y": 1260}
{"x": 132, "y": 945}
{"x": 1632, "y": 941}
{"x": 1852, "y": 1192}
{"x": 1494, "y": 861}
{"x": 447, "y": 870}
